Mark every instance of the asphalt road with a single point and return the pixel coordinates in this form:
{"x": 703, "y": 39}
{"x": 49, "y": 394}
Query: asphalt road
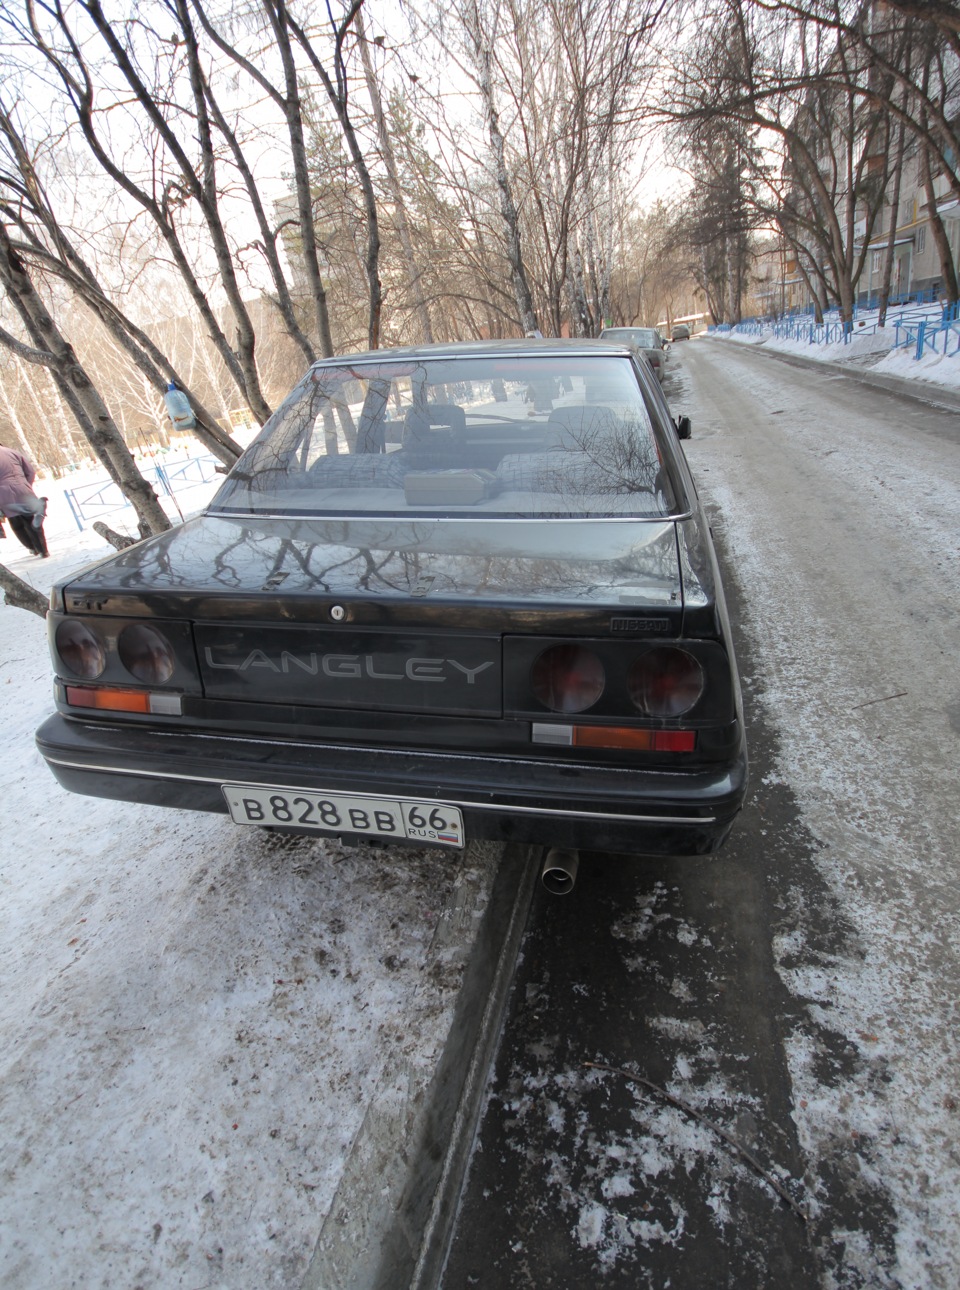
{"x": 797, "y": 992}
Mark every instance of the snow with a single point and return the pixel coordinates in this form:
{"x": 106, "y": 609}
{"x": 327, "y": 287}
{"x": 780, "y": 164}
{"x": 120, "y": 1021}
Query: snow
{"x": 868, "y": 749}
{"x": 196, "y": 1017}
{"x": 144, "y": 1157}
{"x": 845, "y": 543}
{"x": 870, "y": 346}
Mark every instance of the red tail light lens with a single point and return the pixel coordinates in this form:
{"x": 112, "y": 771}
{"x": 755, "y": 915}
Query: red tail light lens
{"x": 568, "y": 678}
{"x": 665, "y": 682}
{"x": 146, "y": 654}
{"x": 81, "y": 650}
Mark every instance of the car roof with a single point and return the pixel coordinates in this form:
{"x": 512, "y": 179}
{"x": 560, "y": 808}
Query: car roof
{"x": 521, "y": 348}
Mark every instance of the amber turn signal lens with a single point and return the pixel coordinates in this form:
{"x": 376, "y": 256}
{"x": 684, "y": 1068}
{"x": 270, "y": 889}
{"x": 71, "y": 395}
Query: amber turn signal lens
{"x": 665, "y": 682}
{"x": 638, "y": 740}
{"x": 81, "y": 696}
{"x": 568, "y": 678}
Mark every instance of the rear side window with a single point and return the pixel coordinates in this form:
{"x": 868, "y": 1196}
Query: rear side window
{"x": 506, "y": 436}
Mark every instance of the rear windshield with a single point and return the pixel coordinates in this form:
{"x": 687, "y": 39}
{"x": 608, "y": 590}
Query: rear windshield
{"x": 513, "y": 436}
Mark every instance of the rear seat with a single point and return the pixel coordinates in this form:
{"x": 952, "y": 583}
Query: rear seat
{"x": 360, "y": 470}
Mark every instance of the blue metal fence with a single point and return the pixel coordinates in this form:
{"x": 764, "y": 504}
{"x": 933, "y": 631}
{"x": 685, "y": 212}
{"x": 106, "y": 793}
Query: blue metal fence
{"x": 90, "y": 502}
{"x": 923, "y": 324}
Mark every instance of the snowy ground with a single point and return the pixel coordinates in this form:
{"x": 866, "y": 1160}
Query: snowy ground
{"x": 845, "y": 531}
{"x": 869, "y": 346}
{"x": 196, "y": 1017}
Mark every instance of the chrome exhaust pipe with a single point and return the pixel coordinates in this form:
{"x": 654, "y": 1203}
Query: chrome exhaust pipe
{"x": 559, "y": 871}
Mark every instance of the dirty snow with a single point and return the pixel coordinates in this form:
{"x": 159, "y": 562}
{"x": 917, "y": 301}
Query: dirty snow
{"x": 845, "y": 538}
{"x": 853, "y": 571}
{"x": 118, "y": 956}
{"x": 196, "y": 1017}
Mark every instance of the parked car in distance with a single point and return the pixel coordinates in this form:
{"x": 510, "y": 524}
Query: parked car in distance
{"x": 646, "y": 339}
{"x": 450, "y": 592}
{"x": 680, "y": 332}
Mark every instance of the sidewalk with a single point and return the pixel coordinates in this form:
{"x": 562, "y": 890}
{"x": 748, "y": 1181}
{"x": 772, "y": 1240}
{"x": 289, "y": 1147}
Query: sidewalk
{"x": 393, "y": 1214}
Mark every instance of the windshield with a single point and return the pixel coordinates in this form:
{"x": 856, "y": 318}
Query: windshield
{"x": 500, "y": 436}
{"x": 643, "y": 337}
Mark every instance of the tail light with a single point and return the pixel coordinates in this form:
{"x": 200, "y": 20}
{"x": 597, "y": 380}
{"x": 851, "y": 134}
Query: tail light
{"x": 665, "y": 682}
{"x": 568, "y": 678}
{"x": 81, "y": 650}
{"x": 146, "y": 654}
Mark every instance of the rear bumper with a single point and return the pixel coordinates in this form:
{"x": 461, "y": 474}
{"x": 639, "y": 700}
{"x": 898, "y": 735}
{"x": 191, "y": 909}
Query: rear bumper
{"x": 513, "y": 799}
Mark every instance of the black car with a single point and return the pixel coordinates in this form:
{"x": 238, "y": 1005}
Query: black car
{"x": 448, "y": 593}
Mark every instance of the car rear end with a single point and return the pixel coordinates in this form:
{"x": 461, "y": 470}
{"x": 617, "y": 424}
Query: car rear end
{"x": 419, "y": 677}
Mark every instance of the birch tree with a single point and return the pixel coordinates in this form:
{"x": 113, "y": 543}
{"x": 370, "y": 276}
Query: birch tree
{"x": 481, "y": 27}
{"x": 412, "y": 269}
{"x": 51, "y": 349}
{"x": 44, "y": 242}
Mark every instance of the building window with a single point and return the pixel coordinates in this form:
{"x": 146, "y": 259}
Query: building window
{"x": 876, "y": 261}
{"x": 241, "y": 419}
{"x": 921, "y": 238}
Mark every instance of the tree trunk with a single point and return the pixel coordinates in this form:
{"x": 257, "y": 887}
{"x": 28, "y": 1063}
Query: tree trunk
{"x": 337, "y": 94}
{"x": 947, "y": 267}
{"x": 21, "y": 595}
{"x": 414, "y": 275}
{"x": 293, "y": 110}
{"x": 290, "y": 105}
{"x": 890, "y": 251}
{"x": 508, "y": 209}
{"x": 75, "y": 384}
{"x": 202, "y": 187}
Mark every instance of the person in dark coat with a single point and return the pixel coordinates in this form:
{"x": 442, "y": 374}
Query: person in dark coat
{"x": 19, "y": 503}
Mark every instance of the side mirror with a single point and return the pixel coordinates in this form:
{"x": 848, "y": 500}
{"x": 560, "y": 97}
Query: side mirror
{"x": 684, "y": 427}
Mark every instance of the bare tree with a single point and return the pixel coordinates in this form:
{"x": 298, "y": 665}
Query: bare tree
{"x": 173, "y": 185}
{"x": 51, "y": 349}
{"x": 412, "y": 268}
{"x": 557, "y": 86}
{"x": 753, "y": 71}
{"x": 847, "y": 77}
{"x": 481, "y": 29}
{"x": 45, "y": 243}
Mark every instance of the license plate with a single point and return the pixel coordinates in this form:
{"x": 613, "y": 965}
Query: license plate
{"x": 433, "y": 822}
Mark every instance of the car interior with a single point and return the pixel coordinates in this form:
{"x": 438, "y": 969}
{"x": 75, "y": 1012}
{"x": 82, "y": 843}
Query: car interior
{"x": 564, "y": 437}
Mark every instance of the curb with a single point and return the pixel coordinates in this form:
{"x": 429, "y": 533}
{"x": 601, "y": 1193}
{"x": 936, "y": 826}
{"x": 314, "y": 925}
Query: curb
{"x": 485, "y": 995}
{"x": 391, "y": 1221}
{"x": 922, "y": 391}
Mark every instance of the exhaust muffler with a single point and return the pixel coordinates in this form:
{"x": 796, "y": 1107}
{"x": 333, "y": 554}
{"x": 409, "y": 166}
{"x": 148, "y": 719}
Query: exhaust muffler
{"x": 559, "y": 871}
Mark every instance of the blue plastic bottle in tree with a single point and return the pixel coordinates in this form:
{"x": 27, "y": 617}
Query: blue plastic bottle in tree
{"x": 179, "y": 409}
